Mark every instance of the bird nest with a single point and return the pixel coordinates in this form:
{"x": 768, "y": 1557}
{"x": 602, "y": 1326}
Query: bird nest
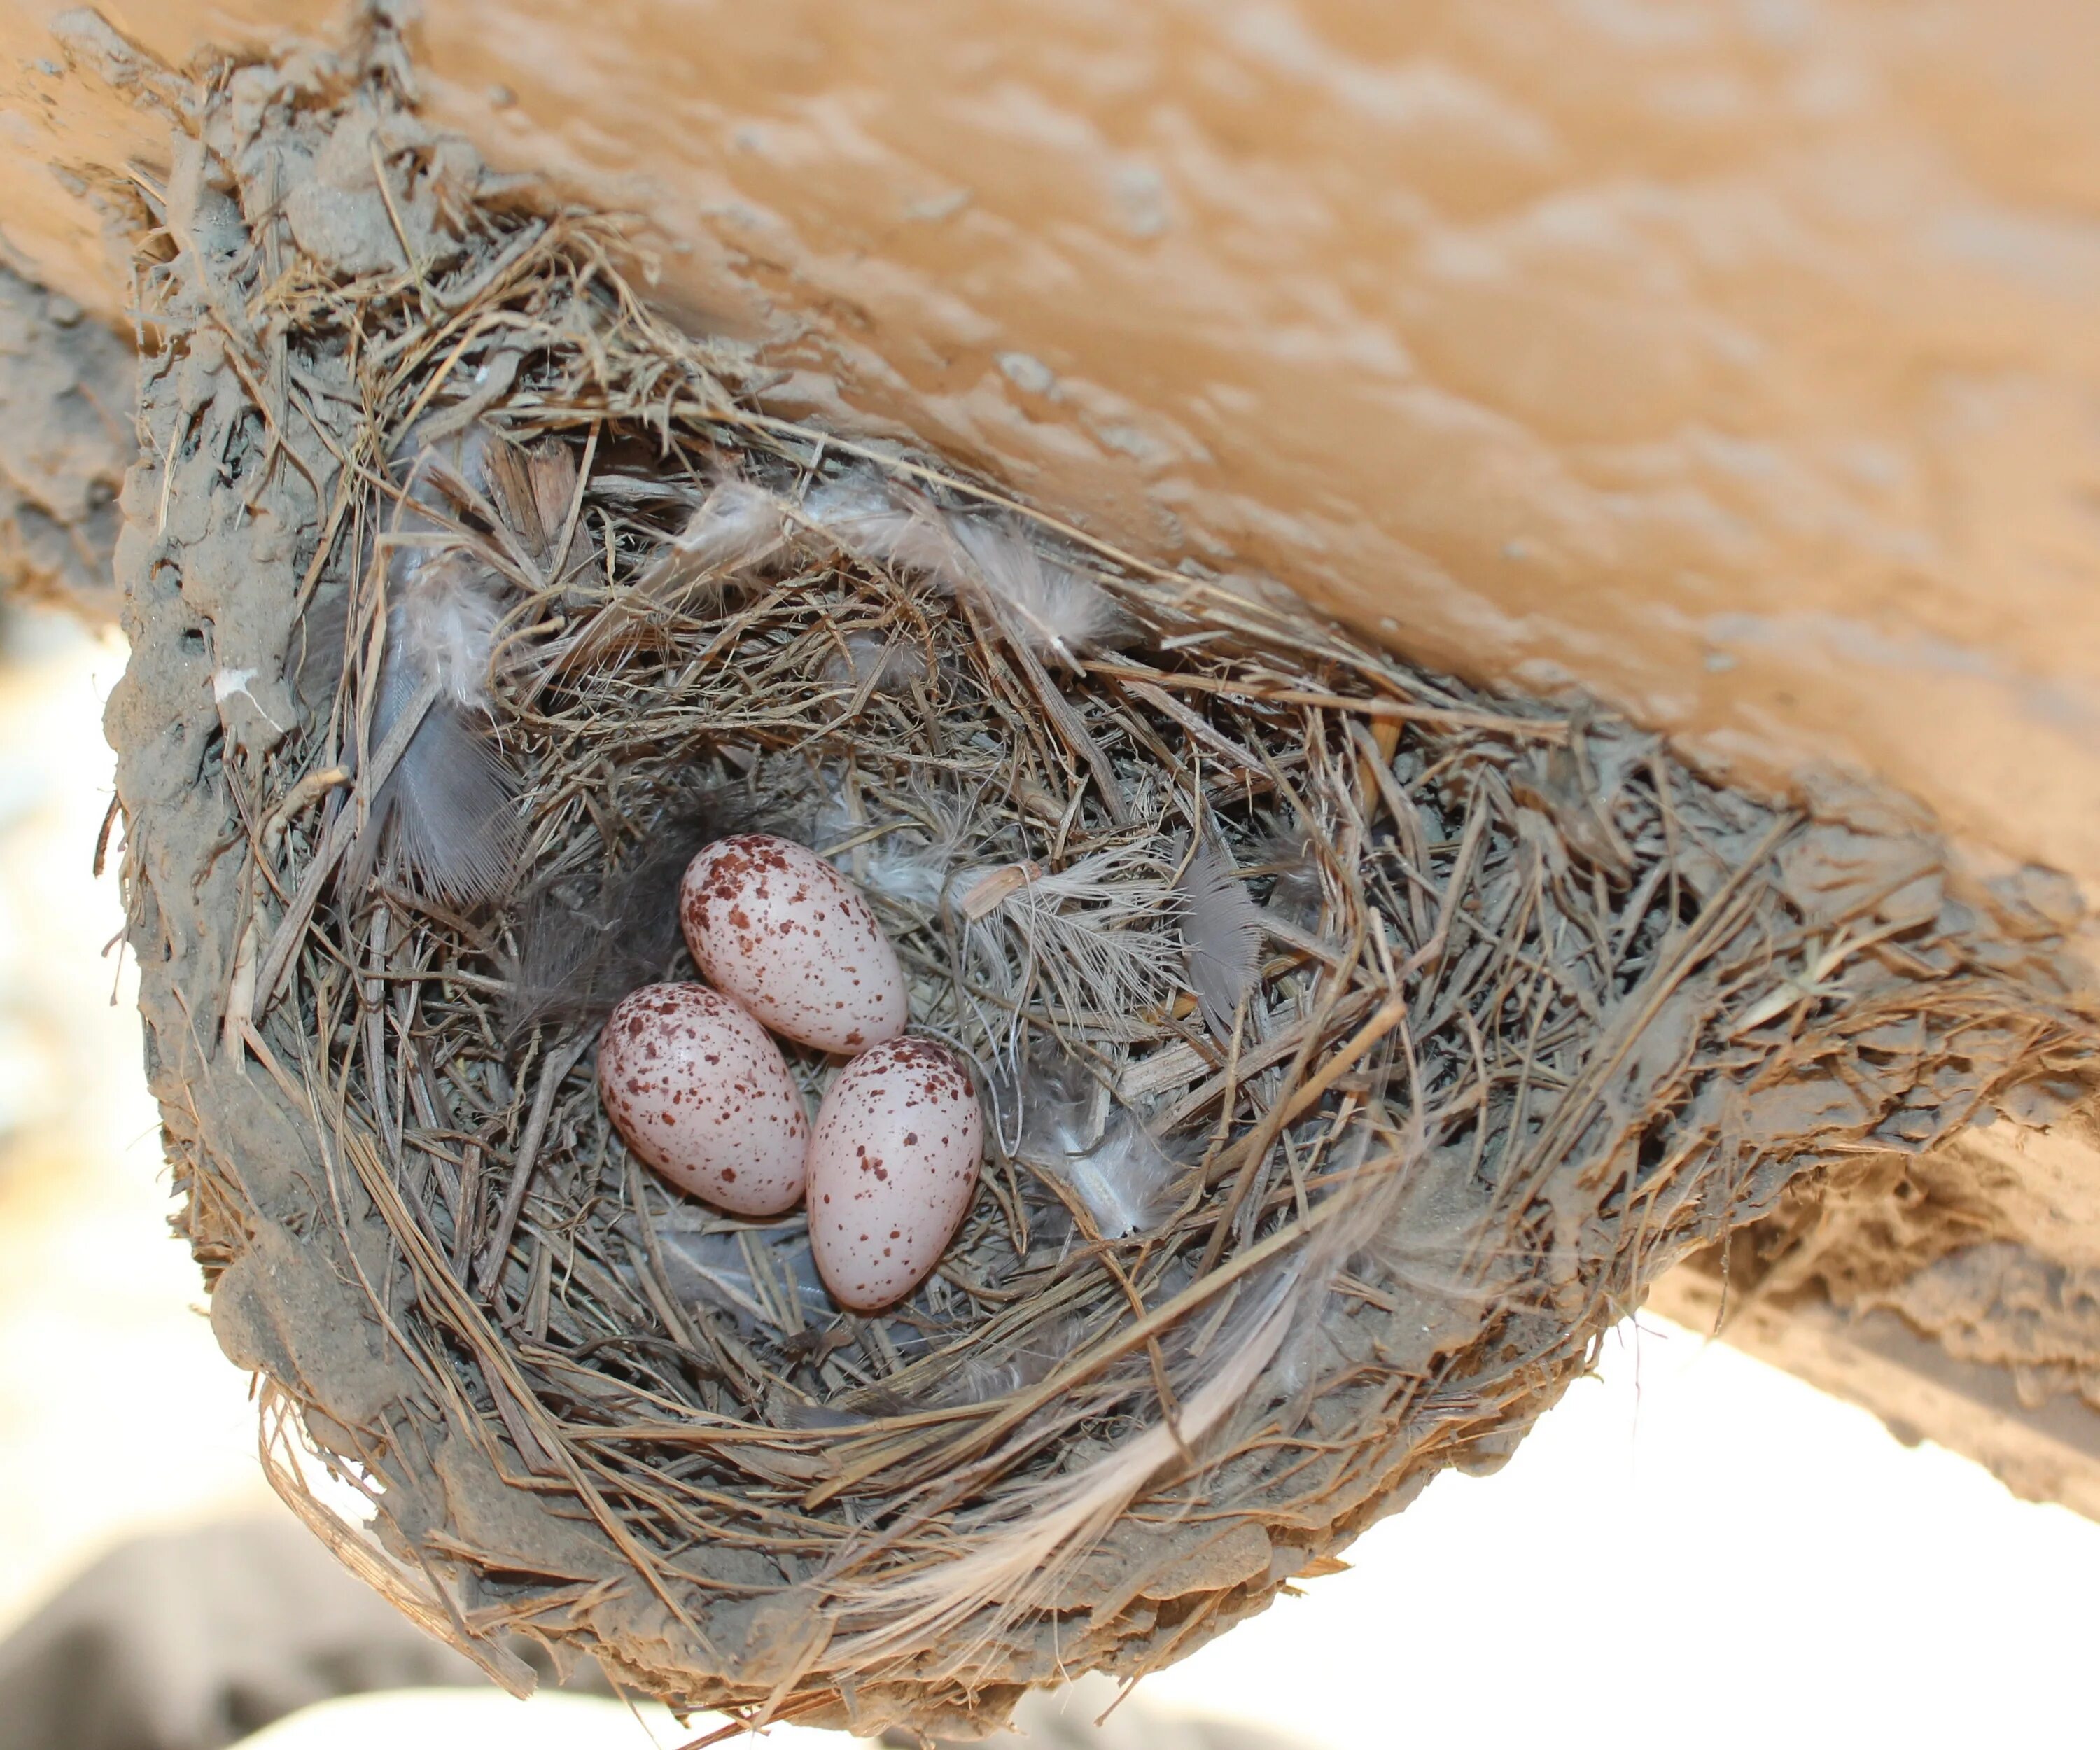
{"x": 1355, "y": 1046}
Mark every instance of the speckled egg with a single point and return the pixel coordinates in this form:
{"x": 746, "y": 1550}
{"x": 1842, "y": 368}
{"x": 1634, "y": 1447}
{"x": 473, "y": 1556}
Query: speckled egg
{"x": 894, "y": 1160}
{"x": 702, "y": 1094}
{"x": 780, "y": 929}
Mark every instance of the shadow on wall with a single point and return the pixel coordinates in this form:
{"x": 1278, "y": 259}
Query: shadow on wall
{"x": 193, "y": 1640}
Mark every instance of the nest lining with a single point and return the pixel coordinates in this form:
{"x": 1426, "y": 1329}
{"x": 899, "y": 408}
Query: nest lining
{"x": 1535, "y": 1009}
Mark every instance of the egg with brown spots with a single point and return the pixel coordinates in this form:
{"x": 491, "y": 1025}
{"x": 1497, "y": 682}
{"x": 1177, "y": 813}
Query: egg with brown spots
{"x": 702, "y": 1094}
{"x": 893, "y": 1161}
{"x": 780, "y": 929}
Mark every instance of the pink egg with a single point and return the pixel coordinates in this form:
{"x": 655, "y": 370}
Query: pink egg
{"x": 703, "y": 1095}
{"x": 892, "y": 1162}
{"x": 780, "y": 929}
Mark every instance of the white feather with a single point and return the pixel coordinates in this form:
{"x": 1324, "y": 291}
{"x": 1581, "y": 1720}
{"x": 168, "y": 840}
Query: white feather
{"x": 1014, "y": 1367}
{"x": 1098, "y": 933}
{"x": 1073, "y": 1129}
{"x": 733, "y": 531}
{"x": 736, "y": 527}
{"x": 908, "y": 869}
{"x": 858, "y": 513}
{"x": 1433, "y": 1250}
{"x": 443, "y": 624}
{"x": 456, "y": 827}
{"x": 452, "y": 466}
{"x": 1041, "y": 603}
{"x": 1015, "y": 1558}
{"x": 909, "y": 864}
{"x": 869, "y": 659}
{"x": 1127, "y": 1182}
{"x": 1037, "y": 599}
{"x": 1052, "y": 1102}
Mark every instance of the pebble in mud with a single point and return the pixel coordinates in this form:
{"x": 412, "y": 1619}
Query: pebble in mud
{"x": 894, "y": 1160}
{"x": 772, "y": 923}
{"x": 702, "y": 1094}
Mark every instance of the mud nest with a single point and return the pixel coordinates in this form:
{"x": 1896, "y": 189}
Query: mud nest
{"x": 1357, "y": 1046}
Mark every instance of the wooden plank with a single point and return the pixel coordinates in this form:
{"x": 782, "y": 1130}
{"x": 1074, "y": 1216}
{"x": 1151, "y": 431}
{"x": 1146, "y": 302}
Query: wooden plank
{"x": 1876, "y": 1361}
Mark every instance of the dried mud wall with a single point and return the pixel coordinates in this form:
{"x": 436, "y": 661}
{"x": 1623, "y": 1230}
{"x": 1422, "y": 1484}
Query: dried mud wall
{"x": 67, "y": 385}
{"x": 1733, "y": 361}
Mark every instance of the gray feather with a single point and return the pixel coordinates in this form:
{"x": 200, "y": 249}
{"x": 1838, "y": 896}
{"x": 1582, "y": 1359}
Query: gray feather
{"x": 715, "y": 1269}
{"x": 582, "y": 945}
{"x": 446, "y": 816}
{"x": 1221, "y": 931}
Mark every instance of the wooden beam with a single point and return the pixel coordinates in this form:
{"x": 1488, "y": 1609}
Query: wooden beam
{"x": 1876, "y": 1360}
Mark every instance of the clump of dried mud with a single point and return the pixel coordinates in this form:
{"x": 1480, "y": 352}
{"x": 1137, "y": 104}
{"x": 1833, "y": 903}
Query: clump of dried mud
{"x": 1986, "y": 1241}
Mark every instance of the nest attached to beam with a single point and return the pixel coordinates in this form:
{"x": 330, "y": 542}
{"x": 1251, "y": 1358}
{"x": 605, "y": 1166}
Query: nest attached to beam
{"x": 1356, "y": 1045}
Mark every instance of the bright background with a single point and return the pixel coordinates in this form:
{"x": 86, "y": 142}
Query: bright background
{"x": 1692, "y": 1546}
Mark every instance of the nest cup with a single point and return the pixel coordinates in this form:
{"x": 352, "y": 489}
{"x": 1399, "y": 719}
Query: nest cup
{"x": 1355, "y": 1046}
